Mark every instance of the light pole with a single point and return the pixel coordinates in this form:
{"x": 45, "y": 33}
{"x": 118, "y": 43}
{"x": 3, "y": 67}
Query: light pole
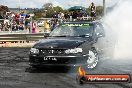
{"x": 104, "y": 8}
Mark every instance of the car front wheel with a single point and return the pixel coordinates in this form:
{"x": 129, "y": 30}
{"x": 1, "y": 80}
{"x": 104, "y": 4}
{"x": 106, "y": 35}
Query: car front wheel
{"x": 92, "y": 58}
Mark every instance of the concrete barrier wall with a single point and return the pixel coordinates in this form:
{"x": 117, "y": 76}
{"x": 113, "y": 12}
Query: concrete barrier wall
{"x": 17, "y": 44}
{"x": 20, "y": 40}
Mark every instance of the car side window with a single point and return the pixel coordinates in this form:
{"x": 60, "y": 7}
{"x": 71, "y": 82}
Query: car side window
{"x": 99, "y": 29}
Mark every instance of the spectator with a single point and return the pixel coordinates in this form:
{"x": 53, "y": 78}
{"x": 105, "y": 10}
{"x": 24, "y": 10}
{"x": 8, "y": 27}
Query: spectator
{"x": 21, "y": 20}
{"x": 27, "y": 21}
{"x": 55, "y": 15}
{"x": 12, "y": 15}
{"x": 14, "y": 26}
{"x": 1, "y": 23}
{"x": 21, "y": 26}
{"x": 22, "y": 14}
{"x": 6, "y": 26}
{"x": 17, "y": 16}
{"x": 74, "y": 15}
{"x": 93, "y": 10}
{"x": 61, "y": 16}
{"x": 27, "y": 16}
{"x": 54, "y": 24}
{"x": 1, "y": 17}
{"x": 46, "y": 26}
{"x": 34, "y": 27}
{"x": 66, "y": 16}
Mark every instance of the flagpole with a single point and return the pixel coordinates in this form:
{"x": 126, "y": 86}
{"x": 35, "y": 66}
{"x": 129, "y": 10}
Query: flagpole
{"x": 104, "y": 7}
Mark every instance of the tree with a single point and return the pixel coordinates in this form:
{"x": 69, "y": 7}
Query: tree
{"x": 47, "y": 11}
{"x": 47, "y": 6}
{"x": 99, "y": 10}
{"x": 51, "y": 11}
{"x": 3, "y": 10}
{"x": 58, "y": 9}
{"x": 88, "y": 11}
{"x": 38, "y": 14}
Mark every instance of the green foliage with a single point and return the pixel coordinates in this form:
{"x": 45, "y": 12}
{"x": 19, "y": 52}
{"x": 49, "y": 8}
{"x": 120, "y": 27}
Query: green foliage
{"x": 38, "y": 14}
{"x": 3, "y": 10}
{"x": 47, "y": 6}
{"x": 58, "y": 9}
{"x": 88, "y": 11}
{"x": 99, "y": 10}
{"x": 51, "y": 11}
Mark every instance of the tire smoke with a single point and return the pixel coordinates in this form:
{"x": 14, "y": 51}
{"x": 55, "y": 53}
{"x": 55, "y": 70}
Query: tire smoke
{"x": 120, "y": 23}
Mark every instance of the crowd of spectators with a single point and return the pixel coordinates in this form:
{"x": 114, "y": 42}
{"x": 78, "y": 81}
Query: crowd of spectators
{"x": 15, "y": 21}
{"x": 22, "y": 21}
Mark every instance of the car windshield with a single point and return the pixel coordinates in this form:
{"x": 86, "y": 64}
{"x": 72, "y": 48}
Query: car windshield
{"x": 73, "y": 30}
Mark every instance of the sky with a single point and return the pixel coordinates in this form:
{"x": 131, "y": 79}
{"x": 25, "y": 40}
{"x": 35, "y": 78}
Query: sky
{"x": 63, "y": 3}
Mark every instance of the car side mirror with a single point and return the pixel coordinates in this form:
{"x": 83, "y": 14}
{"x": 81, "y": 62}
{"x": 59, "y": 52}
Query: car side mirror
{"x": 99, "y": 31}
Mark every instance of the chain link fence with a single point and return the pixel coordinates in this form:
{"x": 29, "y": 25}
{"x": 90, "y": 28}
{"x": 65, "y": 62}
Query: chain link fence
{"x": 26, "y": 26}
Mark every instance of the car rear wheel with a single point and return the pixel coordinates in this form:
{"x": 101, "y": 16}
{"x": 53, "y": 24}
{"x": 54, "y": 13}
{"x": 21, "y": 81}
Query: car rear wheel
{"x": 92, "y": 59}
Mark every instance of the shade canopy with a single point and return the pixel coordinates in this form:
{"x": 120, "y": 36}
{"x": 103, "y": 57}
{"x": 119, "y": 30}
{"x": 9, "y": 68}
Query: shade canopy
{"x": 74, "y": 8}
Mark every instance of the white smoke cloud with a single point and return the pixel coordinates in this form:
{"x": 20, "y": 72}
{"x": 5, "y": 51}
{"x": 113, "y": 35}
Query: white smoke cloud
{"x": 120, "y": 22}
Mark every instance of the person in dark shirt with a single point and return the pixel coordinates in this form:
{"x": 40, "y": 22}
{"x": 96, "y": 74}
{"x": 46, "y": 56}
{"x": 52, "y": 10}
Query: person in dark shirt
{"x": 1, "y": 17}
{"x": 66, "y": 15}
{"x": 55, "y": 15}
{"x": 74, "y": 15}
{"x": 93, "y": 10}
{"x": 1, "y": 22}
